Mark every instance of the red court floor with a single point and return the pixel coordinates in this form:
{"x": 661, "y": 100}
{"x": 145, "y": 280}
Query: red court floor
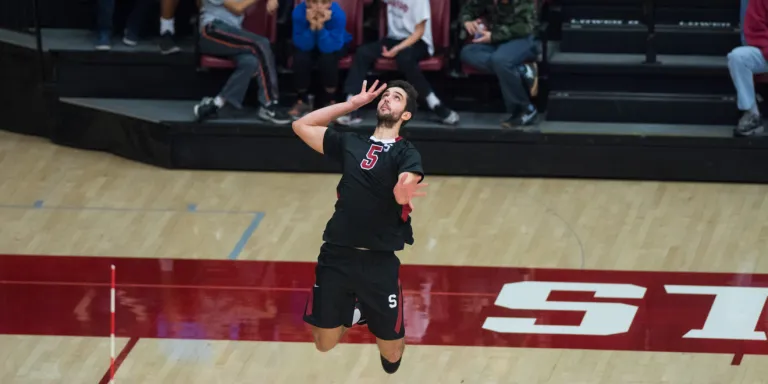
{"x": 444, "y": 305}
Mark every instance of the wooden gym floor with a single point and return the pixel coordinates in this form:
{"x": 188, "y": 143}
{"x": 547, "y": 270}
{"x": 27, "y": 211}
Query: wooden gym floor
{"x": 214, "y": 267}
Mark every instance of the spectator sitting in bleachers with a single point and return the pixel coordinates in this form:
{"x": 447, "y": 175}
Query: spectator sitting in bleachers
{"x": 221, "y": 34}
{"x": 746, "y": 61}
{"x": 106, "y": 10}
{"x": 319, "y": 36}
{"x": 503, "y": 42}
{"x": 408, "y": 41}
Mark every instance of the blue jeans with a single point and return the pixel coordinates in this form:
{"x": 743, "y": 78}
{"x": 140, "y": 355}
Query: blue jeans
{"x": 744, "y": 63}
{"x": 106, "y": 11}
{"x": 503, "y": 61}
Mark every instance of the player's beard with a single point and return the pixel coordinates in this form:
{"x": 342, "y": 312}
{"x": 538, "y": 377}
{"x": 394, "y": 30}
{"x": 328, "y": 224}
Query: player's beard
{"x": 387, "y": 120}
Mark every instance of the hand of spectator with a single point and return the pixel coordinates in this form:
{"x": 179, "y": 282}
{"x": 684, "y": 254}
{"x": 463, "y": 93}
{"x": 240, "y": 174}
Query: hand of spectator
{"x": 471, "y": 27}
{"x": 367, "y": 95}
{"x": 388, "y": 53}
{"x": 485, "y": 38}
{"x": 325, "y": 15}
{"x": 311, "y": 14}
{"x": 315, "y": 24}
{"x": 272, "y": 6}
{"x": 313, "y": 17}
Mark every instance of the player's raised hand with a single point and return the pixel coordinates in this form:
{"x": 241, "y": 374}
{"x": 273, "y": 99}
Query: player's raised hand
{"x": 367, "y": 95}
{"x": 407, "y": 188}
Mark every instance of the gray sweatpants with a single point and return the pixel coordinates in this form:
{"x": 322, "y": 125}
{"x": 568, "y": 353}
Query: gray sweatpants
{"x": 252, "y": 54}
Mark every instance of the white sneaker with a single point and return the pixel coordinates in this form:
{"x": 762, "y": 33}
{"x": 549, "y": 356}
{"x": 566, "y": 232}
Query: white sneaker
{"x": 351, "y": 119}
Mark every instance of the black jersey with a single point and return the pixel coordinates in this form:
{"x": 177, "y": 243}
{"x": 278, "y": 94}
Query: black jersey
{"x": 367, "y": 214}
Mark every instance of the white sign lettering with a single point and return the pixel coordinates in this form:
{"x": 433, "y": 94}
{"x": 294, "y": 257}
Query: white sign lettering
{"x": 734, "y": 313}
{"x": 600, "y": 319}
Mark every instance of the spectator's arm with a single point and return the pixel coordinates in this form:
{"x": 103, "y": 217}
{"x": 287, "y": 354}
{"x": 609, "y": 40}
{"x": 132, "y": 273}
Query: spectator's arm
{"x": 417, "y": 34}
{"x": 419, "y": 14}
{"x": 303, "y": 35}
{"x": 330, "y": 38}
{"x": 517, "y": 25}
{"x": 471, "y": 10}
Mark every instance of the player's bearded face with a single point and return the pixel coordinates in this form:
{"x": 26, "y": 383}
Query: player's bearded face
{"x": 387, "y": 115}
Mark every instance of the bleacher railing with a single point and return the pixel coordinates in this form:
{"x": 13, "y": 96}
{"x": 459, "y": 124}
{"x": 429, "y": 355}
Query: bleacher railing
{"x": 649, "y": 12}
{"x": 38, "y": 39}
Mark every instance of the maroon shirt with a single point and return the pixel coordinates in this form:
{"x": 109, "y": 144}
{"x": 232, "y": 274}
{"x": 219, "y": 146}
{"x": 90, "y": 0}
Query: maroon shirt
{"x": 756, "y": 25}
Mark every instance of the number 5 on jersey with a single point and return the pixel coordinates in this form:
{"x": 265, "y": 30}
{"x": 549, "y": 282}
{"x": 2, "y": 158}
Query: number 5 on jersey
{"x": 393, "y": 301}
{"x": 371, "y": 157}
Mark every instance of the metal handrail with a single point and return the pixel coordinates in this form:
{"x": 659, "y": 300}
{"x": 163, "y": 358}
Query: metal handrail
{"x": 39, "y": 39}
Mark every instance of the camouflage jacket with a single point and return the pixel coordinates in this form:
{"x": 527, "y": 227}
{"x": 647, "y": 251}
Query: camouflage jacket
{"x": 506, "y": 19}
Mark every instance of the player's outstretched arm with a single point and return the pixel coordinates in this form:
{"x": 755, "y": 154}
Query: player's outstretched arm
{"x": 311, "y": 128}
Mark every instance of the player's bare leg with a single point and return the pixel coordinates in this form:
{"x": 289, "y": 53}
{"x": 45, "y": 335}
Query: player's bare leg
{"x": 326, "y": 339}
{"x": 391, "y": 353}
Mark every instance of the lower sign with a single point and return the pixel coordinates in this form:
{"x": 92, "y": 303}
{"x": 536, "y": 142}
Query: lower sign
{"x": 443, "y": 305}
{"x": 649, "y": 311}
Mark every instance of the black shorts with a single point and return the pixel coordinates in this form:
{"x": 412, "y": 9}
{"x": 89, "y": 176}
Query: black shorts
{"x": 344, "y": 274}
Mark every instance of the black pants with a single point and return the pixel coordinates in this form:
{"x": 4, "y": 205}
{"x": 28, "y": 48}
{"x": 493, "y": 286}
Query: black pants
{"x": 252, "y": 54}
{"x": 407, "y": 63}
{"x": 327, "y": 65}
{"x": 106, "y": 9}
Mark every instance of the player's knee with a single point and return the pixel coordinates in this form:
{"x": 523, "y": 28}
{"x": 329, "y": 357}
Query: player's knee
{"x": 323, "y": 342}
{"x": 324, "y": 346}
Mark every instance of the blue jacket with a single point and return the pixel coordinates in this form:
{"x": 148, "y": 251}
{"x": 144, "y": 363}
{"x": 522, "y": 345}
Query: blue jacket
{"x": 331, "y": 38}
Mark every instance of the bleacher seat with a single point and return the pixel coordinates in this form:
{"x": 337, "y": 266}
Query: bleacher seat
{"x": 258, "y": 21}
{"x": 354, "y": 11}
{"x": 441, "y": 24}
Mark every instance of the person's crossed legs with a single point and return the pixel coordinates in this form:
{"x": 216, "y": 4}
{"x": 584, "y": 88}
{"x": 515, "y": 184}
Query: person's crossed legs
{"x": 743, "y": 64}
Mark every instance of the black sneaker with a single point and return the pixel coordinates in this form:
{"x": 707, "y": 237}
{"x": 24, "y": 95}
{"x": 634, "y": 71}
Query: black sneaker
{"x": 130, "y": 38}
{"x": 358, "y": 317}
{"x": 206, "y": 109}
{"x": 168, "y": 44}
{"x": 274, "y": 115}
{"x": 390, "y": 367}
{"x": 103, "y": 41}
{"x": 750, "y": 124}
{"x": 446, "y": 115}
{"x": 522, "y": 119}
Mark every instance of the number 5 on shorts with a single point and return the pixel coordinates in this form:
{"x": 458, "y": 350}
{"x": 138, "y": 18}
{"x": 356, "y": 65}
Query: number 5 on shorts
{"x": 392, "y": 301}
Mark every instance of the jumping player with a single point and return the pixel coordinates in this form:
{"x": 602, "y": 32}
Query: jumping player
{"x": 357, "y": 262}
